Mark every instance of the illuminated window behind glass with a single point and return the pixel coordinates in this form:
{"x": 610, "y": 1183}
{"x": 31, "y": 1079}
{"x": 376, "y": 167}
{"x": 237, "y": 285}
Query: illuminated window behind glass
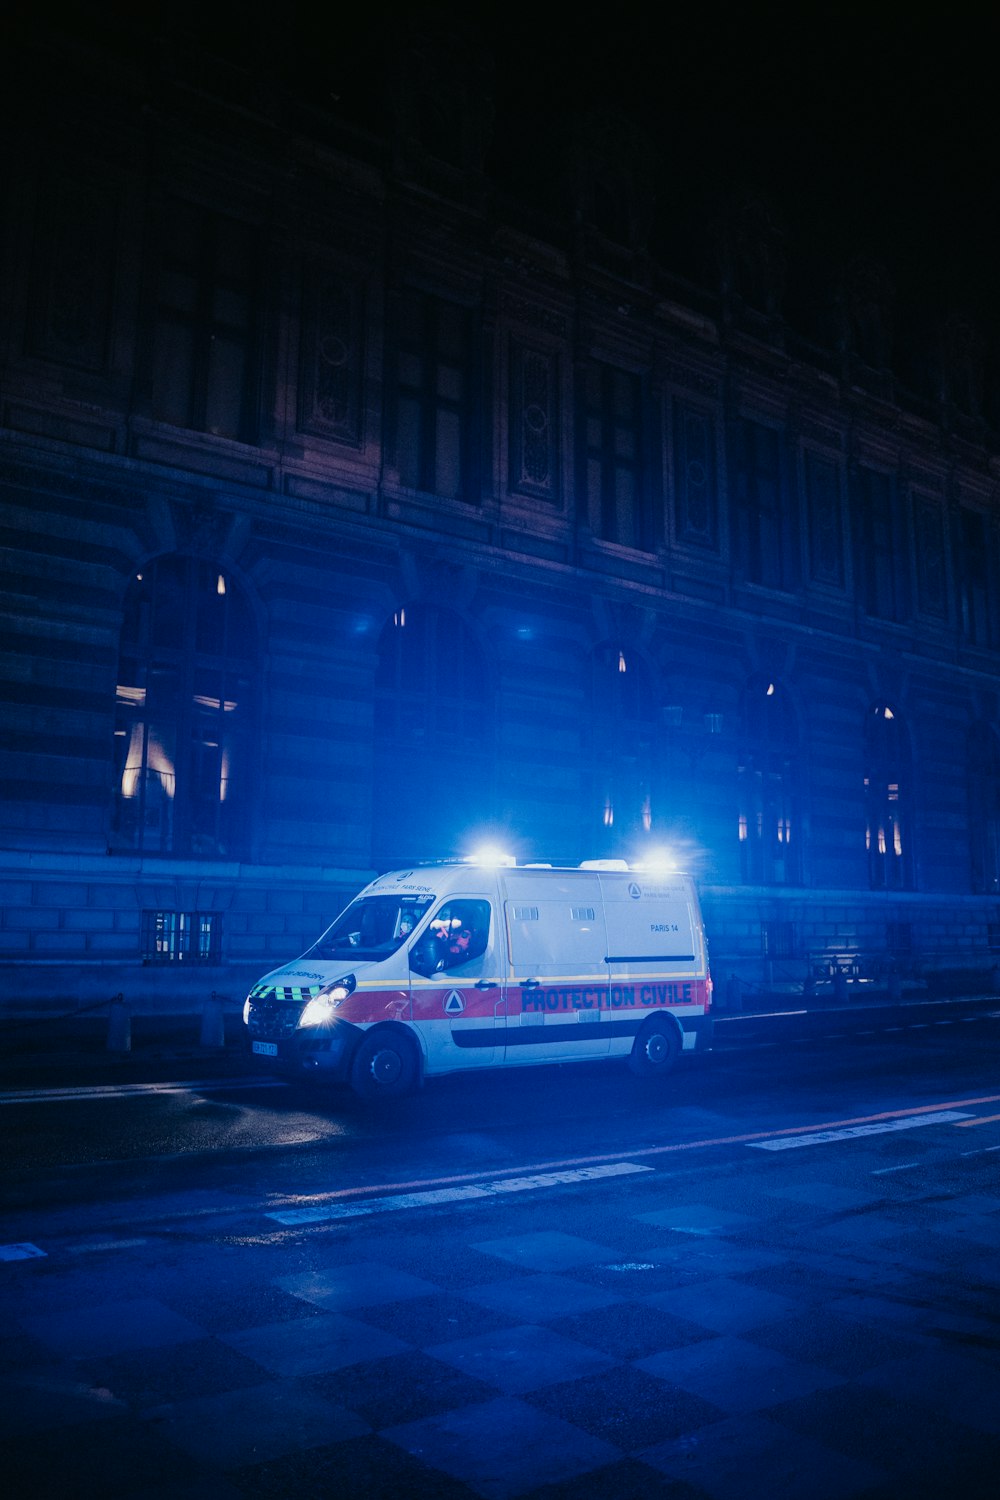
{"x": 181, "y": 937}
{"x": 183, "y": 712}
{"x": 621, "y": 799}
{"x": 768, "y": 819}
{"x": 432, "y": 394}
{"x": 887, "y": 794}
{"x": 433, "y": 737}
{"x": 203, "y": 353}
{"x": 983, "y": 785}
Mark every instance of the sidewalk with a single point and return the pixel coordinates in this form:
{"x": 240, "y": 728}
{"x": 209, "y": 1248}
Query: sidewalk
{"x": 100, "y": 1044}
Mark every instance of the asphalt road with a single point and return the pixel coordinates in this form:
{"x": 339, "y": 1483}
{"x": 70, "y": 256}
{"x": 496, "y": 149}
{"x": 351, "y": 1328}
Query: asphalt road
{"x": 777, "y": 1273}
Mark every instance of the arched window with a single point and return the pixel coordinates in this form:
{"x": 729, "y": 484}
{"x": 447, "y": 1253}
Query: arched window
{"x": 433, "y": 737}
{"x": 887, "y": 797}
{"x": 620, "y": 807}
{"x": 983, "y": 784}
{"x": 184, "y": 712}
{"x": 769, "y": 800}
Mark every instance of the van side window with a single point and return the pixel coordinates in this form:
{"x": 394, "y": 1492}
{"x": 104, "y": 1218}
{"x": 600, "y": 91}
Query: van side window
{"x": 460, "y": 933}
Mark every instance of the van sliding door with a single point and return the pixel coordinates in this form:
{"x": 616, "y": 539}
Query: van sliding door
{"x": 557, "y": 995}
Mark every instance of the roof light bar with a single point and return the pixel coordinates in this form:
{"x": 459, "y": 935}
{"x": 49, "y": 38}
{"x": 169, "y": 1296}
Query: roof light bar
{"x": 491, "y": 858}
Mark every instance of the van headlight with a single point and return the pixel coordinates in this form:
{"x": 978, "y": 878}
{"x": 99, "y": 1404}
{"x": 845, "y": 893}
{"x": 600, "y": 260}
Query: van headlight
{"x": 321, "y": 1007}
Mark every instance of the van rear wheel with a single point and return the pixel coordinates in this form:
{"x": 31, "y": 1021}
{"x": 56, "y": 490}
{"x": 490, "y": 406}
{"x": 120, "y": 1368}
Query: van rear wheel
{"x": 386, "y": 1064}
{"x": 655, "y": 1049}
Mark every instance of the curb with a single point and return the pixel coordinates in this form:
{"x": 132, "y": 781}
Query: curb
{"x": 90, "y": 1045}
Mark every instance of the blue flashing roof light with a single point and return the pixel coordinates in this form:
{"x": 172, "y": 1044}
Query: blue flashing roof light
{"x": 491, "y": 858}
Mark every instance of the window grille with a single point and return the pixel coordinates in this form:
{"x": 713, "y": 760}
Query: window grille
{"x": 190, "y": 937}
{"x": 900, "y": 937}
{"x": 778, "y": 939}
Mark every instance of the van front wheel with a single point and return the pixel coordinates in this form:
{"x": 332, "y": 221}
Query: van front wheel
{"x": 386, "y": 1064}
{"x": 655, "y": 1049}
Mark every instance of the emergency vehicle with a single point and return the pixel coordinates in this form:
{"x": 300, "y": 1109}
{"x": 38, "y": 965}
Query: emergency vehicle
{"x": 468, "y": 965}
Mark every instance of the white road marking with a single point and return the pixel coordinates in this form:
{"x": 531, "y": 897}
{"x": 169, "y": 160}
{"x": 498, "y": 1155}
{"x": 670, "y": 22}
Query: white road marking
{"x": 101, "y": 1091}
{"x": 93, "y": 1245}
{"x": 453, "y": 1194}
{"x": 819, "y": 1137}
{"x": 903, "y": 1167}
{"x": 23, "y": 1251}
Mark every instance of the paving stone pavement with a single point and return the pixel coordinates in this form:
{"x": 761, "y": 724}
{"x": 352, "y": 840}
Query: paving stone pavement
{"x": 738, "y": 1343}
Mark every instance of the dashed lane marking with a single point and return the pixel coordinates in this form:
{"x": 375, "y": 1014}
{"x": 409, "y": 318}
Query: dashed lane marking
{"x": 453, "y": 1194}
{"x": 820, "y": 1137}
{"x": 91, "y": 1246}
{"x": 369, "y": 1191}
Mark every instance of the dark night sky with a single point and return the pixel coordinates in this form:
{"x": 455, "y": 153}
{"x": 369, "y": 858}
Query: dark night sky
{"x": 871, "y": 128}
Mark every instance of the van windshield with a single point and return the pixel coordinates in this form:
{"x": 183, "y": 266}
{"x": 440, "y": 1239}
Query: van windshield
{"x": 371, "y": 928}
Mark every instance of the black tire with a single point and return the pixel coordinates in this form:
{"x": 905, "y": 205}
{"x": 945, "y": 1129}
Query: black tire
{"x": 655, "y": 1049}
{"x": 386, "y": 1064}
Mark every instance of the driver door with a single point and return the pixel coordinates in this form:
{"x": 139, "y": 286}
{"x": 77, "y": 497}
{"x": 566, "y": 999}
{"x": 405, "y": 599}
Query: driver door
{"x": 457, "y": 985}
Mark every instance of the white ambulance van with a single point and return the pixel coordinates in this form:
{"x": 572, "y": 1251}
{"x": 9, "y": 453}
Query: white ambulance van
{"x": 461, "y": 966}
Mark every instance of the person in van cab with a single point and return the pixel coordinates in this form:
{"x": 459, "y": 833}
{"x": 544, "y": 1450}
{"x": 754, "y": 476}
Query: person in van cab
{"x": 458, "y": 946}
{"x": 457, "y": 935}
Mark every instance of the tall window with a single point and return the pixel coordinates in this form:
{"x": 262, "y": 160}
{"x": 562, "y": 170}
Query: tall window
{"x": 612, "y": 412}
{"x": 983, "y": 784}
{"x": 973, "y": 576}
{"x": 763, "y": 545}
{"x": 878, "y": 546}
{"x": 433, "y": 737}
{"x": 183, "y": 718}
{"x": 887, "y": 796}
{"x": 621, "y": 801}
{"x": 769, "y": 826}
{"x": 204, "y": 355}
{"x": 433, "y": 395}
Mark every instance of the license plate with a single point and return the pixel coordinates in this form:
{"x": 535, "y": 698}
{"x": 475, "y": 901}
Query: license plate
{"x": 265, "y": 1049}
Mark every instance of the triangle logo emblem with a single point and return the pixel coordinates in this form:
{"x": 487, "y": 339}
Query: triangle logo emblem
{"x": 454, "y": 1005}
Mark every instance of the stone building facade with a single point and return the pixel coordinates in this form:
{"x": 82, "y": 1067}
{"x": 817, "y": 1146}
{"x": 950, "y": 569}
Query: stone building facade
{"x": 350, "y": 516}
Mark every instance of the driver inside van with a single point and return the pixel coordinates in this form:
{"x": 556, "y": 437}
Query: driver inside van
{"x": 458, "y": 946}
{"x": 460, "y": 931}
